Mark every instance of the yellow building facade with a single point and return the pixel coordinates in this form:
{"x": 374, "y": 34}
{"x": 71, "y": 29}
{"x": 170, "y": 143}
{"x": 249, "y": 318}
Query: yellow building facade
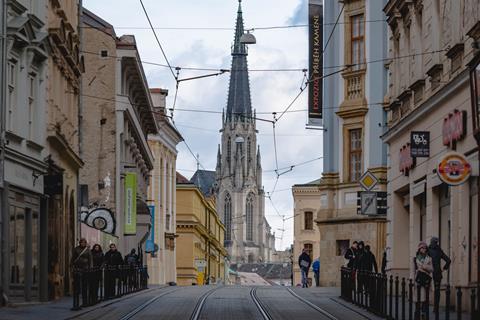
{"x": 200, "y": 251}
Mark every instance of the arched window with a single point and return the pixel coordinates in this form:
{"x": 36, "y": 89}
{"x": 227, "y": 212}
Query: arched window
{"x": 249, "y": 217}
{"x": 228, "y": 217}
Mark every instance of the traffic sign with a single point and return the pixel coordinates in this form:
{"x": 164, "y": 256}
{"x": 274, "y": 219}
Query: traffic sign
{"x": 371, "y": 203}
{"x": 368, "y": 181}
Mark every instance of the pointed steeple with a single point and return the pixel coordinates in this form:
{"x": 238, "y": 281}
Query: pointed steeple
{"x": 239, "y": 102}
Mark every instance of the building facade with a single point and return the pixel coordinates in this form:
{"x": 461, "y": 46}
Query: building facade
{"x": 161, "y": 259}
{"x": 61, "y": 178}
{"x": 201, "y": 255}
{"x": 117, "y": 113}
{"x": 24, "y": 215}
{"x": 239, "y": 190}
{"x": 430, "y": 92}
{"x": 353, "y": 121}
{"x": 307, "y": 201}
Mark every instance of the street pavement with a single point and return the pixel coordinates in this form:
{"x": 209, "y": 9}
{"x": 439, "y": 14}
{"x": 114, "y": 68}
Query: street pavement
{"x": 205, "y": 302}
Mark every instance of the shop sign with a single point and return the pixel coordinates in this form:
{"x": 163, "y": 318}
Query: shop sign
{"x": 130, "y": 203}
{"x": 454, "y": 128}
{"x": 454, "y": 169}
{"x": 420, "y": 144}
{"x": 407, "y": 162}
{"x": 150, "y": 244}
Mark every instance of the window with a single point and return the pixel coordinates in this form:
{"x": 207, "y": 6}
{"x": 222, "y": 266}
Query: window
{"x": 308, "y": 221}
{"x": 355, "y": 154}
{"x": 167, "y": 222}
{"x": 228, "y": 217}
{"x": 249, "y": 217}
{"x": 249, "y": 149}
{"x": 309, "y": 248}
{"x": 104, "y": 53}
{"x": 32, "y": 83}
{"x": 342, "y": 247}
{"x": 12, "y": 82}
{"x": 358, "y": 41}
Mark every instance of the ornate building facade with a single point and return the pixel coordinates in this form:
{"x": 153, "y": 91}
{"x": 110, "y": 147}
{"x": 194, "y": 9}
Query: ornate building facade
{"x": 239, "y": 191}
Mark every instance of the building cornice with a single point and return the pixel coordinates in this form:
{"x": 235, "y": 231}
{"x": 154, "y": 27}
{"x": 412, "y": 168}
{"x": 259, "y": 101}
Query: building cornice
{"x": 347, "y": 220}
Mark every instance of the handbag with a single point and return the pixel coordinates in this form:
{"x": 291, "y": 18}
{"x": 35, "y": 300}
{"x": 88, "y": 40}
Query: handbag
{"x": 423, "y": 279}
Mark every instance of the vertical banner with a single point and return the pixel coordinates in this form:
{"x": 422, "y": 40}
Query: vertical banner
{"x": 130, "y": 203}
{"x": 150, "y": 245}
{"x": 315, "y": 55}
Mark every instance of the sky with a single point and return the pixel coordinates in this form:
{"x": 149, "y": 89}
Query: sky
{"x": 271, "y": 91}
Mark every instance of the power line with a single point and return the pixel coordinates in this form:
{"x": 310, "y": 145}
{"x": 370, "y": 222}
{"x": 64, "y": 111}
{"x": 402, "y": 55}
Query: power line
{"x": 158, "y": 41}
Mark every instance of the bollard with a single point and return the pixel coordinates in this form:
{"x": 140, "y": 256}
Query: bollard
{"x": 418, "y": 304}
{"x": 403, "y": 298}
{"x": 427, "y": 303}
{"x": 385, "y": 294}
{"x": 472, "y": 304}
{"x": 410, "y": 299}
{"x": 390, "y": 311}
{"x": 459, "y": 303}
{"x": 447, "y": 302}
{"x": 436, "y": 293}
{"x": 76, "y": 290}
{"x": 396, "y": 297}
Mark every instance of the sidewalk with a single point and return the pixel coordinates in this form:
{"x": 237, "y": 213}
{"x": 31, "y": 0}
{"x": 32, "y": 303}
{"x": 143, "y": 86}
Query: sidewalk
{"x": 59, "y": 309}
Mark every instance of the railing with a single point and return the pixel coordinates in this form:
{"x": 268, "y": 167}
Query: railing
{"x": 395, "y": 298}
{"x": 102, "y": 283}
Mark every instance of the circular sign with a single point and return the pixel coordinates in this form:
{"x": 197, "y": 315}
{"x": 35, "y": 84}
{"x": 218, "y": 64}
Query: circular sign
{"x": 454, "y": 169}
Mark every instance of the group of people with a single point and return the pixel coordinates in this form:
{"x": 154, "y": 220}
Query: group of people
{"x": 360, "y": 257}
{"x": 84, "y": 258}
{"x": 304, "y": 262}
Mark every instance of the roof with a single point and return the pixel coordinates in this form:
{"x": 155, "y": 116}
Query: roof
{"x": 311, "y": 183}
{"x": 205, "y": 181}
{"x": 181, "y": 179}
{"x": 239, "y": 101}
{"x": 94, "y": 21}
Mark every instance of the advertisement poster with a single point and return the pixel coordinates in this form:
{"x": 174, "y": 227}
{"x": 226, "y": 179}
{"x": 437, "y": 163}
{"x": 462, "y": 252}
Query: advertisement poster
{"x": 130, "y": 203}
{"x": 150, "y": 244}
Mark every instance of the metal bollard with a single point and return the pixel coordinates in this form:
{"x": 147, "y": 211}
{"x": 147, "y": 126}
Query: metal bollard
{"x": 396, "y": 296}
{"x": 410, "y": 299}
{"x": 390, "y": 311}
{"x": 418, "y": 303}
{"x": 459, "y": 303}
{"x": 427, "y": 302}
{"x": 447, "y": 302}
{"x": 76, "y": 290}
{"x": 403, "y": 298}
{"x": 472, "y": 304}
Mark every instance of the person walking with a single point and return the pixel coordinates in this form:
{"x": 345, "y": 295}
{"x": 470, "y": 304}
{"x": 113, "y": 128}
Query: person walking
{"x": 113, "y": 260}
{"x": 98, "y": 261}
{"x": 437, "y": 255}
{"x": 81, "y": 261}
{"x": 423, "y": 266}
{"x": 131, "y": 260}
{"x": 304, "y": 261}
{"x": 316, "y": 271}
{"x": 351, "y": 255}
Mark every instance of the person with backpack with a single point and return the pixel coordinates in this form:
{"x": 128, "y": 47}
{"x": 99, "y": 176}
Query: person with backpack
{"x": 351, "y": 254}
{"x": 131, "y": 260}
{"x": 304, "y": 261}
{"x": 423, "y": 267}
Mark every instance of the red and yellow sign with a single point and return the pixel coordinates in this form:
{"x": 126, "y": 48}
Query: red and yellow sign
{"x": 454, "y": 169}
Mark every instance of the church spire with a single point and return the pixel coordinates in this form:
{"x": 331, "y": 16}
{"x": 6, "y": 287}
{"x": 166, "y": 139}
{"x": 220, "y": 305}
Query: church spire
{"x": 239, "y": 102}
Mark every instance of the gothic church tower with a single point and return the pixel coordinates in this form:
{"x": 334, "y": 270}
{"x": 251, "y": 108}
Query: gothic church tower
{"x": 239, "y": 192}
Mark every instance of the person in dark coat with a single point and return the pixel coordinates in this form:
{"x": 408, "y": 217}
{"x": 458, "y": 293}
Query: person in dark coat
{"x": 97, "y": 256}
{"x": 384, "y": 261}
{"x": 113, "y": 260}
{"x": 437, "y": 255}
{"x": 351, "y": 254}
{"x": 359, "y": 255}
{"x": 304, "y": 261}
{"x": 81, "y": 262}
{"x": 368, "y": 261}
{"x": 131, "y": 259}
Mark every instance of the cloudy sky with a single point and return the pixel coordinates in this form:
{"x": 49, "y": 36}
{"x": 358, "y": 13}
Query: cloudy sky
{"x": 271, "y": 91}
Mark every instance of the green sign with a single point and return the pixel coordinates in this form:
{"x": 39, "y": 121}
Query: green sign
{"x": 131, "y": 203}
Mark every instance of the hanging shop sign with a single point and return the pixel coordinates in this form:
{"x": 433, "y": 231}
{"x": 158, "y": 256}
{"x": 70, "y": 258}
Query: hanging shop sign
{"x": 130, "y": 203}
{"x": 406, "y": 161}
{"x": 150, "y": 244}
{"x": 315, "y": 87}
{"x": 454, "y": 169}
{"x": 420, "y": 144}
{"x": 454, "y": 128}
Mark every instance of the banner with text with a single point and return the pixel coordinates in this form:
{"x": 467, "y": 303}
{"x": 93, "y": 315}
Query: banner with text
{"x": 130, "y": 203}
{"x": 315, "y": 52}
{"x": 150, "y": 245}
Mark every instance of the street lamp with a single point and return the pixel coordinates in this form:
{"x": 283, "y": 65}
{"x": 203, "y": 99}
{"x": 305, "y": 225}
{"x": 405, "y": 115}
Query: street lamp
{"x": 248, "y": 38}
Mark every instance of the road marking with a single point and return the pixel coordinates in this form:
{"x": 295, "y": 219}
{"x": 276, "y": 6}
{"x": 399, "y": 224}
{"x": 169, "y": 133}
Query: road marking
{"x": 263, "y": 311}
{"x": 322, "y": 311}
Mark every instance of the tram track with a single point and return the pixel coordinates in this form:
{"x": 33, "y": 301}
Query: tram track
{"x": 313, "y": 306}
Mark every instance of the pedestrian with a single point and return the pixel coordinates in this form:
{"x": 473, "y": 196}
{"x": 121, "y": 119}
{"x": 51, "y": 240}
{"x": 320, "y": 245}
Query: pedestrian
{"x": 367, "y": 261}
{"x": 422, "y": 264}
{"x": 81, "y": 262}
{"x": 384, "y": 261}
{"x": 113, "y": 261}
{"x": 437, "y": 255}
{"x": 304, "y": 261}
{"x": 98, "y": 261}
{"x": 131, "y": 260}
{"x": 316, "y": 271}
{"x": 351, "y": 254}
{"x": 359, "y": 255}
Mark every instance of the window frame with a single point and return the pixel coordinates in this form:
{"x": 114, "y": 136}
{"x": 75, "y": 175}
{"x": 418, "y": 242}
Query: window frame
{"x": 357, "y": 39}
{"x": 310, "y": 220}
{"x": 351, "y": 152}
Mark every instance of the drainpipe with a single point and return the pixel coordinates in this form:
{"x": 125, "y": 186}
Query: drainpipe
{"x": 3, "y": 105}
{"x": 80, "y": 117}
